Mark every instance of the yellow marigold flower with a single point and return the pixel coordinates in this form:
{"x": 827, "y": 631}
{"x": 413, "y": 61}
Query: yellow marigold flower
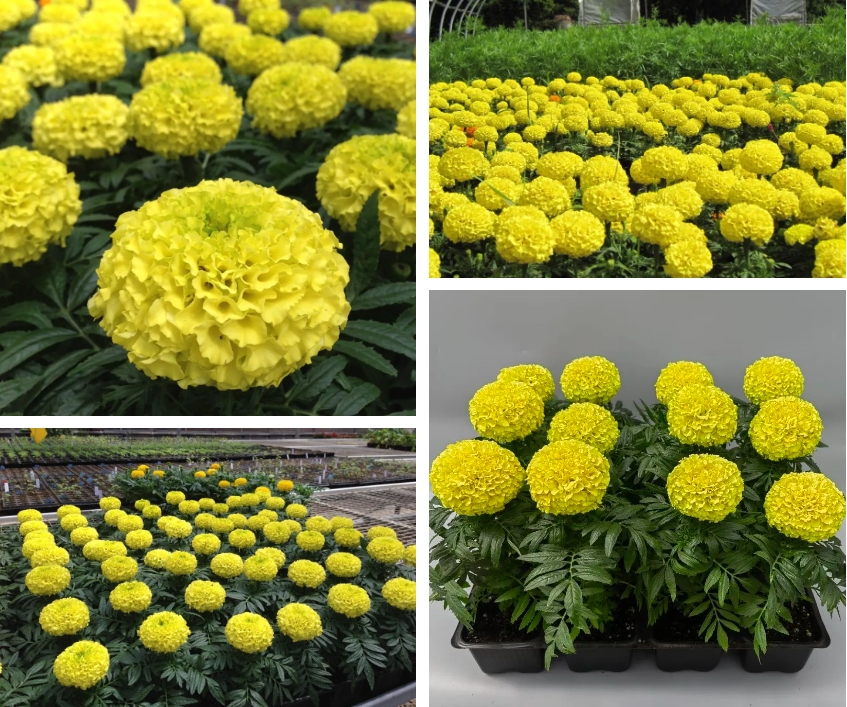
{"x": 50, "y": 556}
{"x": 688, "y": 258}
{"x": 381, "y": 531}
{"x": 247, "y": 7}
{"x": 400, "y": 593}
{"x": 139, "y": 539}
{"x": 39, "y": 542}
{"x": 64, "y": 617}
{"x": 305, "y": 573}
{"x": 16, "y": 11}
{"x": 559, "y": 165}
{"x": 82, "y": 664}
{"x": 153, "y": 512}
{"x": 130, "y": 597}
{"x": 343, "y": 564}
{"x": 586, "y": 422}
{"x": 50, "y": 209}
{"x": 666, "y": 163}
{"x": 276, "y": 532}
{"x": 293, "y": 97}
{"x": 163, "y": 632}
{"x": 523, "y": 235}
{"x": 184, "y": 116}
{"x": 506, "y": 410}
{"x": 319, "y": 524}
{"x": 252, "y": 54}
{"x": 260, "y": 568}
{"x": 28, "y": 514}
{"x": 577, "y": 234}
{"x": 59, "y": 12}
{"x": 215, "y": 39}
{"x": 601, "y": 169}
{"x": 785, "y": 428}
{"x": 129, "y": 522}
{"x": 206, "y": 544}
{"x": 312, "y": 19}
{"x": 406, "y": 120}
{"x": 742, "y": 221}
{"x": 703, "y": 415}
{"x": 226, "y": 339}
{"x": 274, "y": 554}
{"x": 74, "y": 521}
{"x": 772, "y": 377}
{"x": 158, "y": 474}
{"x": 355, "y": 169}
{"x": 678, "y": 375}
{"x": 270, "y": 21}
{"x": 32, "y": 526}
{"x": 300, "y": 622}
{"x": 830, "y": 259}
{"x": 409, "y": 555}
{"x": 285, "y": 486}
{"x": 568, "y": 477}
{"x": 469, "y": 222}
{"x": 393, "y": 16}
{"x": 47, "y": 580}
{"x": 242, "y": 539}
{"x": 114, "y": 516}
{"x": 386, "y": 550}
{"x": 174, "y": 497}
{"x": 183, "y": 65}
{"x": 821, "y": 202}
{"x": 349, "y": 600}
{"x": 101, "y": 550}
{"x": 547, "y": 194}
{"x": 609, "y": 201}
{"x": 377, "y": 83}
{"x": 212, "y": 14}
{"x": 188, "y": 6}
{"x": 151, "y": 29}
{"x": 337, "y": 522}
{"x": 296, "y": 510}
{"x": 705, "y": 486}
{"x": 227, "y": 565}
{"x": 119, "y": 568}
{"x": 761, "y": 157}
{"x": 347, "y": 537}
{"x": 434, "y": 264}
{"x": 141, "y": 504}
{"x": 48, "y": 34}
{"x": 536, "y": 377}
{"x": 799, "y": 233}
{"x": 475, "y": 477}
{"x": 201, "y": 595}
{"x": 351, "y": 29}
{"x": 36, "y": 64}
{"x": 156, "y": 559}
{"x": 82, "y": 57}
{"x": 805, "y": 505}
{"x": 591, "y": 379}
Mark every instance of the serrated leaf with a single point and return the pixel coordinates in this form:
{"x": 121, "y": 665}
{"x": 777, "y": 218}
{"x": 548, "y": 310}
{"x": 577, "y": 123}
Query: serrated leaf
{"x": 34, "y": 343}
{"x": 366, "y": 355}
{"x": 365, "y": 249}
{"x": 318, "y": 378}
{"x": 384, "y": 295}
{"x": 383, "y": 335}
{"x": 362, "y": 395}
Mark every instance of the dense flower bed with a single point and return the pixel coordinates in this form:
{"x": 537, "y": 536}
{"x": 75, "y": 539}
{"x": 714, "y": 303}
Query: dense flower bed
{"x": 203, "y": 155}
{"x": 590, "y": 177}
{"x": 195, "y": 602}
{"x": 563, "y": 510}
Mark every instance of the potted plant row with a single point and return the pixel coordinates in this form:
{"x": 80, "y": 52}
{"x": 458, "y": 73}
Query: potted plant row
{"x": 692, "y": 527}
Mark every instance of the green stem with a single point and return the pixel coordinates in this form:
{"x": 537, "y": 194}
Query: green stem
{"x": 66, "y": 315}
{"x": 657, "y": 259}
{"x": 190, "y": 169}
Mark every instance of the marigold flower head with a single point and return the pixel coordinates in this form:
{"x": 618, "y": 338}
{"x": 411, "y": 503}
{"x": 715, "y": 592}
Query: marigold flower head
{"x": 393, "y": 16}
{"x": 227, "y": 565}
{"x": 785, "y": 428}
{"x": 312, "y": 19}
{"x": 347, "y": 537}
{"x": 386, "y": 550}
{"x": 349, "y": 600}
{"x": 772, "y": 377}
{"x": 299, "y": 622}
{"x": 805, "y": 505}
{"x": 703, "y": 415}
{"x": 50, "y": 209}
{"x": 743, "y": 220}
{"x": 536, "y": 377}
{"x": 28, "y": 514}
{"x": 260, "y": 568}
{"x": 355, "y": 169}
{"x": 577, "y": 233}
{"x": 351, "y": 29}
{"x": 130, "y": 597}
{"x": 305, "y": 573}
{"x": 524, "y": 235}
{"x": 705, "y": 486}
{"x": 47, "y": 580}
{"x": 163, "y": 632}
{"x": 668, "y": 163}
{"x": 400, "y": 593}
{"x": 36, "y": 542}
{"x": 119, "y": 568}
{"x": 152, "y": 29}
{"x": 609, "y": 201}
{"x": 590, "y": 379}
{"x": 209, "y": 14}
{"x": 688, "y": 258}
{"x": 156, "y": 559}
{"x": 378, "y": 84}
{"x": 101, "y": 550}
{"x": 830, "y": 259}
{"x": 64, "y": 617}
{"x": 586, "y": 422}
{"x": 182, "y": 65}
{"x": 343, "y": 564}
{"x": 83, "y": 57}
{"x": 153, "y": 512}
{"x": 50, "y": 556}
{"x": 506, "y": 410}
{"x": 761, "y": 157}
{"x": 82, "y": 665}
{"x": 270, "y": 21}
{"x": 129, "y": 523}
{"x": 37, "y": 66}
{"x": 679, "y": 374}
{"x": 568, "y": 477}
{"x": 252, "y": 54}
{"x": 73, "y": 521}
{"x": 215, "y": 39}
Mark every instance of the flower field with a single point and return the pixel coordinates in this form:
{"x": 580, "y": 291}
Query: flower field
{"x": 251, "y": 601}
{"x": 206, "y": 209}
{"x": 703, "y": 508}
{"x": 710, "y": 176}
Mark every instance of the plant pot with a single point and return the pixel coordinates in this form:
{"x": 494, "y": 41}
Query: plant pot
{"x": 674, "y": 654}
{"x": 611, "y": 650}
{"x": 504, "y": 657}
{"x": 784, "y": 656}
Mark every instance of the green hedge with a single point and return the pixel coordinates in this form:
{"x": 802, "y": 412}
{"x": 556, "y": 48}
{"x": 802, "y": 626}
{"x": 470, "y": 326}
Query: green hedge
{"x": 649, "y": 51}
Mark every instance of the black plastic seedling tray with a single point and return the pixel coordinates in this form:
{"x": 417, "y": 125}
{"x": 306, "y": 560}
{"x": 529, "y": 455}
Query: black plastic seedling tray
{"x": 513, "y": 657}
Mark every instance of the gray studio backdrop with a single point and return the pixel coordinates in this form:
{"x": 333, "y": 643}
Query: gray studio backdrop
{"x": 475, "y": 334}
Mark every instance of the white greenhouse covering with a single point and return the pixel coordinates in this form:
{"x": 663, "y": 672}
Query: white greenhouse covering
{"x": 592, "y": 12}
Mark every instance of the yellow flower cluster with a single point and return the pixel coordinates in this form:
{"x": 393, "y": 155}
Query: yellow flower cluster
{"x": 305, "y": 573}
{"x": 591, "y": 379}
{"x": 47, "y": 580}
{"x": 506, "y": 411}
{"x": 349, "y": 600}
{"x": 292, "y": 97}
{"x": 387, "y": 550}
{"x": 568, "y": 477}
{"x": 249, "y": 632}
{"x": 91, "y": 126}
{"x": 772, "y": 377}
{"x": 705, "y": 486}
{"x": 85, "y": 57}
{"x": 130, "y": 597}
{"x": 278, "y": 303}
{"x": 82, "y": 665}
{"x": 312, "y": 19}
{"x": 161, "y": 31}
{"x": 64, "y": 617}
{"x": 393, "y": 16}
{"x": 270, "y": 21}
{"x": 806, "y": 506}
{"x": 586, "y": 422}
{"x": 355, "y": 169}
{"x": 536, "y": 377}
{"x": 476, "y": 477}
{"x": 252, "y": 54}
{"x": 183, "y": 65}
{"x": 677, "y": 375}
{"x": 215, "y": 39}
{"x": 343, "y": 564}
{"x": 400, "y": 593}
{"x": 40, "y": 203}
{"x": 14, "y": 12}
{"x": 351, "y": 29}
{"x": 299, "y": 622}
{"x": 36, "y": 64}
{"x": 527, "y": 137}
{"x": 703, "y": 415}
{"x": 785, "y": 428}
{"x": 163, "y": 632}
{"x": 311, "y": 49}
{"x": 379, "y": 84}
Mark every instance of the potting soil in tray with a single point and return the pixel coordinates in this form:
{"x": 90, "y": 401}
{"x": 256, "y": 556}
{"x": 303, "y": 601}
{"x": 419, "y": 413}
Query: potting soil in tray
{"x": 621, "y": 629}
{"x": 802, "y": 629}
{"x": 493, "y": 626}
{"x": 674, "y": 627}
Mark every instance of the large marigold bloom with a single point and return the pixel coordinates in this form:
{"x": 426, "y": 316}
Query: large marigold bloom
{"x": 215, "y": 39}
{"x": 355, "y": 169}
{"x": 152, "y": 29}
{"x": 349, "y": 600}
{"x": 761, "y": 157}
{"x": 251, "y": 55}
{"x": 393, "y": 16}
{"x": 311, "y": 49}
{"x": 506, "y": 411}
{"x": 745, "y": 220}
{"x": 14, "y": 93}
{"x": 184, "y": 116}
{"x": 786, "y": 428}
{"x": 705, "y": 486}
{"x": 476, "y": 477}
{"x": 536, "y": 377}
{"x": 586, "y": 422}
{"x": 90, "y": 126}
{"x": 523, "y": 234}
{"x": 830, "y": 259}
{"x": 249, "y": 632}
{"x": 300, "y": 622}
{"x": 577, "y": 233}
{"x": 568, "y": 477}
{"x": 36, "y": 64}
{"x": 772, "y": 377}
{"x": 82, "y": 665}
{"x": 233, "y": 286}
{"x": 679, "y": 374}
{"x": 292, "y": 97}
{"x": 400, "y": 593}
{"x": 39, "y": 204}
{"x": 163, "y": 632}
{"x": 182, "y": 65}
{"x": 64, "y": 617}
{"x": 702, "y": 415}
{"x": 351, "y": 29}
{"x": 84, "y": 57}
{"x": 270, "y": 21}
{"x": 805, "y": 505}
{"x": 377, "y": 83}
{"x": 590, "y": 379}
{"x": 688, "y": 258}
